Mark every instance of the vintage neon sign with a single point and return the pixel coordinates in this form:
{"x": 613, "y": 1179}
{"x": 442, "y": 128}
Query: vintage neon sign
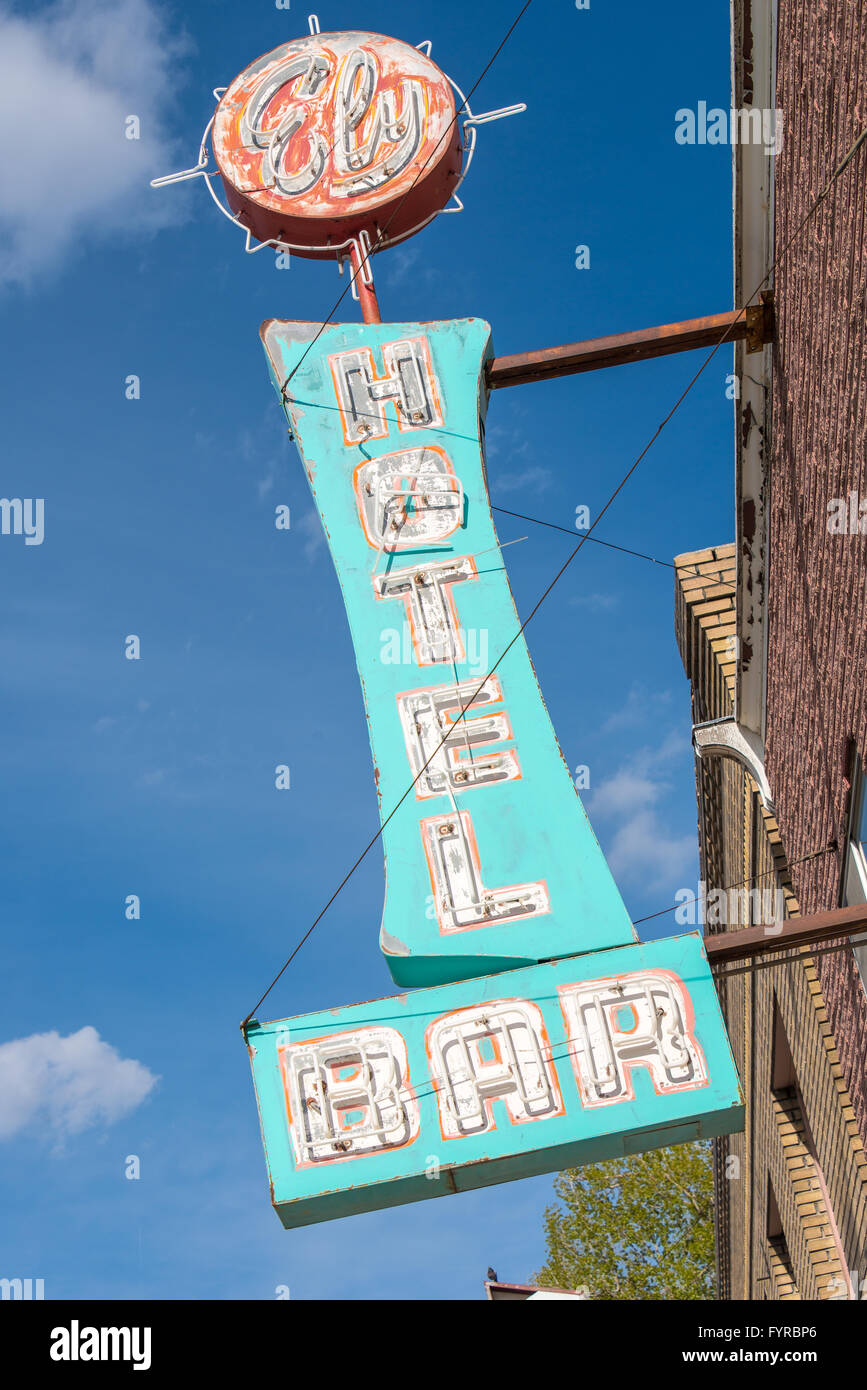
{"x": 543, "y": 1034}
{"x": 491, "y": 862}
{"x": 486, "y": 1080}
{"x": 338, "y": 135}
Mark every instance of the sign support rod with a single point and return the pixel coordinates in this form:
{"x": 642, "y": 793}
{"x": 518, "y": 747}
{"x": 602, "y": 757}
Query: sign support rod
{"x": 366, "y": 293}
{"x": 755, "y": 325}
{"x": 798, "y": 931}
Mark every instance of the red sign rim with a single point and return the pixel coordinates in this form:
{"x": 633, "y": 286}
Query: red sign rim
{"x": 398, "y": 132}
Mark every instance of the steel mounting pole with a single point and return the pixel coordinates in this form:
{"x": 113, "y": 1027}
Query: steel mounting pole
{"x": 366, "y": 293}
{"x": 755, "y": 325}
{"x": 782, "y": 936}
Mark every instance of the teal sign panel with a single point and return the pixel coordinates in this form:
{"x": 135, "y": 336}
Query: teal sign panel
{"x": 479, "y": 1082}
{"x": 491, "y": 863}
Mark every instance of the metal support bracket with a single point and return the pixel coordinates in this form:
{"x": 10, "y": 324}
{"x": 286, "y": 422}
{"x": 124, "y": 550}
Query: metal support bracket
{"x": 727, "y": 739}
{"x": 755, "y": 325}
{"x": 760, "y": 322}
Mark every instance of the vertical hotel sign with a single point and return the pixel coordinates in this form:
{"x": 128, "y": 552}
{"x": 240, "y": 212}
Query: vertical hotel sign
{"x": 490, "y": 861}
{"x": 538, "y": 1032}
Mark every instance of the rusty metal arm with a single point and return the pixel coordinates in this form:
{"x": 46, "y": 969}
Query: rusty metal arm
{"x": 798, "y": 931}
{"x": 755, "y": 325}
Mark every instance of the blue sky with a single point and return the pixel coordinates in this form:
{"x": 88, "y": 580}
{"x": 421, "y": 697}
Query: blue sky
{"x": 156, "y": 777}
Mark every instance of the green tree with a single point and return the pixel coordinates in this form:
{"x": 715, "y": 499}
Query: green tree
{"x": 634, "y": 1228}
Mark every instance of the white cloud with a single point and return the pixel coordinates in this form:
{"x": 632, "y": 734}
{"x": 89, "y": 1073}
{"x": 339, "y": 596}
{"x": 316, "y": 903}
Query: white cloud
{"x": 401, "y": 263}
{"x": 153, "y": 778}
{"x": 254, "y": 445}
{"x": 641, "y": 779}
{"x": 627, "y": 790}
{"x": 67, "y": 1084}
{"x": 70, "y": 75}
{"x": 310, "y": 527}
{"x": 503, "y": 435}
{"x": 641, "y": 707}
{"x": 533, "y": 479}
{"x": 597, "y": 603}
{"x": 642, "y": 847}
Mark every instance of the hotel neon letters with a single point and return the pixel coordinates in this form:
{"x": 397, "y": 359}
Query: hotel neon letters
{"x": 450, "y": 1088}
{"x": 515, "y": 871}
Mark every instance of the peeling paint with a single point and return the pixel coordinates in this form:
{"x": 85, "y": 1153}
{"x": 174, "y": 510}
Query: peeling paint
{"x": 500, "y": 865}
{"x": 336, "y": 135}
{"x": 488, "y": 1080}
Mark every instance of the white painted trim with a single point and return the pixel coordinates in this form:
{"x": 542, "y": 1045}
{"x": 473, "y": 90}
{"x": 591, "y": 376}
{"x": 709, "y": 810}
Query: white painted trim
{"x": 726, "y": 738}
{"x": 753, "y": 189}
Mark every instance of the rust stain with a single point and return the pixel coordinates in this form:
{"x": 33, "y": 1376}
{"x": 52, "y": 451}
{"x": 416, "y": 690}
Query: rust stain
{"x": 747, "y": 52}
{"x": 748, "y": 419}
{"x": 748, "y": 519}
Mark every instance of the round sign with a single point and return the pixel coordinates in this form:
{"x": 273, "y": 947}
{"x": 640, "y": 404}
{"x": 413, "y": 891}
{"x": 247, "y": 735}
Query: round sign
{"x": 336, "y": 134}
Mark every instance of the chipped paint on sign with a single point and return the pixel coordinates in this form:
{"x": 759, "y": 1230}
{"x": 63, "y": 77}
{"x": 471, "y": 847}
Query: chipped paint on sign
{"x": 493, "y": 1079}
{"x": 333, "y": 135}
{"x": 491, "y": 861}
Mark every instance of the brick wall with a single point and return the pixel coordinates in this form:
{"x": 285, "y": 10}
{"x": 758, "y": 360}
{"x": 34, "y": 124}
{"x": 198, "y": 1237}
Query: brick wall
{"x": 800, "y": 1144}
{"x": 817, "y": 581}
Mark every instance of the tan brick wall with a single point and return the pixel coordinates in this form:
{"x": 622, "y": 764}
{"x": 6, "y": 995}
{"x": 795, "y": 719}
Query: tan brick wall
{"x": 821, "y": 1192}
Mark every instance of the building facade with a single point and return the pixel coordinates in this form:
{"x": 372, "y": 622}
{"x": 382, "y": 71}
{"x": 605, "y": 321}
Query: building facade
{"x": 773, "y": 635}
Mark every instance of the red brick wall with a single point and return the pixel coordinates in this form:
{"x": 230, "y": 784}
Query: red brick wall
{"x": 817, "y": 659}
